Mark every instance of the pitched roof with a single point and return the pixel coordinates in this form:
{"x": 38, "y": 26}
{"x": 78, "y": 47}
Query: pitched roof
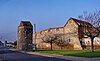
{"x": 80, "y": 22}
{"x": 25, "y": 23}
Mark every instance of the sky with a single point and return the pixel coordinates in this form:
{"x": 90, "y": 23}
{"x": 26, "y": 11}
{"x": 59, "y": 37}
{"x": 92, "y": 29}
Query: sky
{"x": 44, "y": 13}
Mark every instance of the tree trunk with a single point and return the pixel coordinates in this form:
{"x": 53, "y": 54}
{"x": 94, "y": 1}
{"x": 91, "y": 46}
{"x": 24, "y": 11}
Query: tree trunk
{"x": 61, "y": 47}
{"x": 92, "y": 46}
{"x": 51, "y": 45}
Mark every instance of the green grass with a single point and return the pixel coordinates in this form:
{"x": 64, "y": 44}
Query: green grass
{"x": 77, "y": 53}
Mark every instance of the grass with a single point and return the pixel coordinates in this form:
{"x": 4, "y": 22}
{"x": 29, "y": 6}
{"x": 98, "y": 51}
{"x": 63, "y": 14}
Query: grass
{"x": 77, "y": 53}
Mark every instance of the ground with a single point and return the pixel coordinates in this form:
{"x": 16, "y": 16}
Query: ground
{"x": 16, "y": 55}
{"x": 10, "y": 55}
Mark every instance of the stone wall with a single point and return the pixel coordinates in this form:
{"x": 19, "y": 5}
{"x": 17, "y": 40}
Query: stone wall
{"x": 40, "y": 34}
{"x": 71, "y": 28}
{"x": 73, "y": 32}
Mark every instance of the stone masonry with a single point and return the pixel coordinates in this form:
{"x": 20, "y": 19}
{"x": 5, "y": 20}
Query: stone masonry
{"x": 74, "y": 29}
{"x": 25, "y": 31}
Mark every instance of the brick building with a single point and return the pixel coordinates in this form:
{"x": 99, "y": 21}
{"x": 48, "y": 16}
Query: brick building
{"x": 25, "y": 31}
{"x": 74, "y": 30}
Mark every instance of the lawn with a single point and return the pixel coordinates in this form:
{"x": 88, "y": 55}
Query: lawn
{"x": 77, "y": 53}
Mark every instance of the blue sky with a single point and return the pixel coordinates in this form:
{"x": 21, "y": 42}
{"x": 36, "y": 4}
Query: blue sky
{"x": 43, "y": 13}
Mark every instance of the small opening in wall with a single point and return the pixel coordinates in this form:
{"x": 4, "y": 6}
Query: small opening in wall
{"x": 69, "y": 40}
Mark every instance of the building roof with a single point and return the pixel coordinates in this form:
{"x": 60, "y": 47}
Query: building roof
{"x": 25, "y": 23}
{"x": 80, "y": 22}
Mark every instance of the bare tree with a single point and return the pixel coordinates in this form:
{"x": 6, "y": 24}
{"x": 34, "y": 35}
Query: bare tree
{"x": 93, "y": 18}
{"x": 49, "y": 38}
{"x": 57, "y": 39}
{"x": 93, "y": 31}
{"x": 64, "y": 39}
{"x": 61, "y": 41}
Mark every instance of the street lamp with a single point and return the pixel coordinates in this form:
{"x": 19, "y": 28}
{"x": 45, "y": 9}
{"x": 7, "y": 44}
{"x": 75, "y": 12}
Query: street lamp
{"x": 35, "y": 37}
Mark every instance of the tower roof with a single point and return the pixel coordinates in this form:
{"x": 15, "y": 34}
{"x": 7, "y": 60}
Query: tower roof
{"x": 25, "y": 23}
